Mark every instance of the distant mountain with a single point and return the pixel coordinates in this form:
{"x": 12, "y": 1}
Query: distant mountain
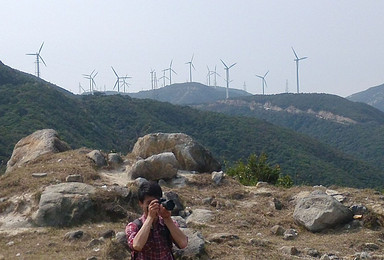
{"x": 189, "y": 93}
{"x": 354, "y": 128}
{"x": 115, "y": 122}
{"x": 373, "y": 96}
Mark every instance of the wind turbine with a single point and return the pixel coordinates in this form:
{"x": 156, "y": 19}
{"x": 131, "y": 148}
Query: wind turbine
{"x": 125, "y": 83}
{"x": 190, "y": 68}
{"x": 81, "y": 88}
{"x": 210, "y": 72}
{"x": 152, "y": 78}
{"x": 170, "y": 72}
{"x": 164, "y": 77}
{"x": 226, "y": 68}
{"x": 118, "y": 81}
{"x": 263, "y": 79}
{"x": 38, "y": 57}
{"x": 92, "y": 82}
{"x": 297, "y": 67}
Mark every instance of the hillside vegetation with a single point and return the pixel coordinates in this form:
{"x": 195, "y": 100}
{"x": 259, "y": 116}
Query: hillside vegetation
{"x": 115, "y": 122}
{"x": 373, "y": 96}
{"x": 353, "y": 128}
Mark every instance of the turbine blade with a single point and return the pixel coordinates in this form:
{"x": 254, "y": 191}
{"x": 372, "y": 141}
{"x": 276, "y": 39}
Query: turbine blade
{"x": 193, "y": 66}
{"x": 41, "y": 47}
{"x": 303, "y": 58}
{"x": 294, "y": 53}
{"x": 114, "y": 71}
{"x": 232, "y": 65}
{"x": 265, "y": 82}
{"x": 42, "y": 60}
{"x": 92, "y": 72}
{"x": 114, "y": 86}
{"x": 170, "y": 65}
{"x": 266, "y": 74}
{"x": 31, "y": 54}
{"x": 94, "y": 76}
{"x": 173, "y": 71}
{"x": 259, "y": 76}
{"x": 225, "y": 65}
{"x": 192, "y": 57}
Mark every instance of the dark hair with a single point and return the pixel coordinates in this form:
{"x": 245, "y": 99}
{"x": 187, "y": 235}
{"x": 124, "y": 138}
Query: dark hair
{"x": 149, "y": 188}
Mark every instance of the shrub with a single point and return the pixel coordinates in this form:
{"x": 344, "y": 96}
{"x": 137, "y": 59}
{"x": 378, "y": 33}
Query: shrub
{"x": 285, "y": 181}
{"x": 256, "y": 169}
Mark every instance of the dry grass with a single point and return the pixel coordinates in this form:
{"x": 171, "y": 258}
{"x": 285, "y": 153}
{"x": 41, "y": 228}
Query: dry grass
{"x": 57, "y": 166}
{"x": 238, "y": 210}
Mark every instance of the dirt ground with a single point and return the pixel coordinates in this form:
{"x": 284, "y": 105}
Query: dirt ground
{"x": 246, "y": 213}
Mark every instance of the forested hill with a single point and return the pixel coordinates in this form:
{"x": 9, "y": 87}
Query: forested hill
{"x": 354, "y": 128}
{"x": 373, "y": 96}
{"x": 189, "y": 93}
{"x": 115, "y": 122}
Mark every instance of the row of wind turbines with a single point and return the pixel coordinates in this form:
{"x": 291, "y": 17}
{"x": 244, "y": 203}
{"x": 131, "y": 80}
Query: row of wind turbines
{"x": 122, "y": 81}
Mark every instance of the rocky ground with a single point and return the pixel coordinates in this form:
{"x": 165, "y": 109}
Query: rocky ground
{"x": 239, "y": 226}
{"x": 224, "y": 219}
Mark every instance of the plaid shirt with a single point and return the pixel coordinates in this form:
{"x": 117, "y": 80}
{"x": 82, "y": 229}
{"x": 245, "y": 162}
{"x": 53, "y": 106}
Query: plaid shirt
{"x": 157, "y": 246}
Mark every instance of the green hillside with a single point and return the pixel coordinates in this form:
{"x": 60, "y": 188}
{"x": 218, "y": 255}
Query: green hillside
{"x": 189, "y": 93}
{"x": 373, "y": 96}
{"x": 115, "y": 122}
{"x": 354, "y": 128}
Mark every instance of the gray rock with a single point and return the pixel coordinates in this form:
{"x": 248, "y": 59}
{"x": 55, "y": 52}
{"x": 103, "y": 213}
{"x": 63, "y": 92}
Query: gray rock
{"x": 311, "y": 252}
{"x": 74, "y": 235}
{"x": 180, "y": 221}
{"x": 92, "y": 258}
{"x": 319, "y": 211}
{"x": 156, "y": 167}
{"x": 277, "y": 203}
{"x": 114, "y": 159}
{"x": 191, "y": 155}
{"x": 97, "y": 157}
{"x": 74, "y": 178}
{"x": 64, "y": 204}
{"x": 289, "y": 250}
{"x": 217, "y": 177}
{"x": 290, "y": 234}
{"x": 195, "y": 248}
{"x": 221, "y": 237}
{"x": 121, "y": 237}
{"x": 200, "y": 217}
{"x": 95, "y": 242}
{"x": 30, "y": 147}
{"x": 108, "y": 234}
{"x": 39, "y": 174}
{"x": 358, "y": 209}
{"x": 277, "y": 230}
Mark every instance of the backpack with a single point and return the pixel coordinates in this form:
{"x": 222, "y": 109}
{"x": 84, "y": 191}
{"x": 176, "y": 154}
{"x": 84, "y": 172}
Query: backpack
{"x": 167, "y": 234}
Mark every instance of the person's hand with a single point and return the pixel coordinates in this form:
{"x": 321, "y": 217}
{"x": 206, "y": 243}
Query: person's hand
{"x": 153, "y": 209}
{"x": 164, "y": 213}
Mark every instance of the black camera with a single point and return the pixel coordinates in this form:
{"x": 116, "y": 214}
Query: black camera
{"x": 167, "y": 204}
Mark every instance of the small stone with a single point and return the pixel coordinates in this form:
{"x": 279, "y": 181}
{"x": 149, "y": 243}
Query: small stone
{"x": 121, "y": 237}
{"x": 92, "y": 258}
{"x": 74, "y": 235}
{"x": 370, "y": 247}
{"x": 312, "y": 252}
{"x": 108, "y": 234}
{"x": 39, "y": 174}
{"x": 10, "y": 243}
{"x": 278, "y": 204}
{"x": 95, "y": 242}
{"x": 289, "y": 250}
{"x": 207, "y": 201}
{"x": 217, "y": 177}
{"x": 74, "y": 178}
{"x": 277, "y": 230}
{"x": 262, "y": 184}
{"x": 290, "y": 234}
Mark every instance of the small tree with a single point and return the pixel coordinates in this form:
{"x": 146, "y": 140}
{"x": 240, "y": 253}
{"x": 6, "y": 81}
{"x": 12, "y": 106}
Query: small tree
{"x": 256, "y": 169}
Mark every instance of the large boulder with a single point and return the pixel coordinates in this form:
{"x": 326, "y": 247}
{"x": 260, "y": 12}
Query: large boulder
{"x": 64, "y": 204}
{"x": 191, "y": 155}
{"x": 319, "y": 211}
{"x": 30, "y": 147}
{"x": 155, "y": 167}
{"x": 195, "y": 248}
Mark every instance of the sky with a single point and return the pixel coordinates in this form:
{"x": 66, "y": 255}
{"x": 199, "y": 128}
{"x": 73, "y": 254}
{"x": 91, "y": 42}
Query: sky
{"x": 343, "y": 40}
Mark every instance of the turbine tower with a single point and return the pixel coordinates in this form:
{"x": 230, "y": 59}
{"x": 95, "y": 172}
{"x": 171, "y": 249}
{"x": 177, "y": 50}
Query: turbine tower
{"x": 263, "y": 80}
{"x": 226, "y": 68}
{"x": 164, "y": 78}
{"x": 190, "y": 68}
{"x": 297, "y": 68}
{"x": 210, "y": 72}
{"x": 170, "y": 72}
{"x": 92, "y": 82}
{"x": 38, "y": 58}
{"x": 153, "y": 74}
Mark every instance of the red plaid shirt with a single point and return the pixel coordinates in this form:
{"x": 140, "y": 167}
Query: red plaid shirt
{"x": 157, "y": 246}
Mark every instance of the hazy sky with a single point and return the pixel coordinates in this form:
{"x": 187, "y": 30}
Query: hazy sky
{"x": 344, "y": 41}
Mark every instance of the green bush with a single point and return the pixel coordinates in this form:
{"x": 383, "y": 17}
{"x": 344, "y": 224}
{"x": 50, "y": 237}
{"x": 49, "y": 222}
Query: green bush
{"x": 285, "y": 181}
{"x": 256, "y": 169}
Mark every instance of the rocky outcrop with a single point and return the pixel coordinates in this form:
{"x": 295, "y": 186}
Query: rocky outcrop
{"x": 64, "y": 204}
{"x": 30, "y": 147}
{"x": 319, "y": 211}
{"x": 191, "y": 155}
{"x": 97, "y": 157}
{"x": 155, "y": 167}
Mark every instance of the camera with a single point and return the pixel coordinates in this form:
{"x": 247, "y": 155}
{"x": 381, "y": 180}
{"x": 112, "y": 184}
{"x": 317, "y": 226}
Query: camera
{"x": 167, "y": 204}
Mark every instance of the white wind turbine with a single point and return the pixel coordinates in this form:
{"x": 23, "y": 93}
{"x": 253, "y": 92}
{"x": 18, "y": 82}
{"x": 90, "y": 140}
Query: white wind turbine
{"x": 297, "y": 68}
{"x": 38, "y": 58}
{"x": 263, "y": 79}
{"x": 226, "y": 68}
